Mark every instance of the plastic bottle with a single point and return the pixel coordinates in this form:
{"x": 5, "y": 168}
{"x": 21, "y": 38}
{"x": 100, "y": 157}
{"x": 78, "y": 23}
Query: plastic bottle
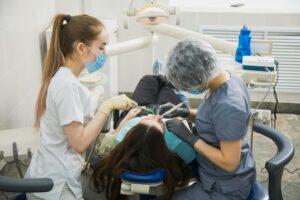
{"x": 244, "y": 44}
{"x": 158, "y": 68}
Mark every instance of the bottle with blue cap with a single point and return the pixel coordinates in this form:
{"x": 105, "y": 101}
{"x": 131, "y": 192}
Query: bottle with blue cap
{"x": 243, "y": 48}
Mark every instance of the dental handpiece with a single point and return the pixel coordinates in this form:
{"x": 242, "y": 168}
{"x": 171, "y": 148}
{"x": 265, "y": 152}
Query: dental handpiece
{"x": 173, "y": 109}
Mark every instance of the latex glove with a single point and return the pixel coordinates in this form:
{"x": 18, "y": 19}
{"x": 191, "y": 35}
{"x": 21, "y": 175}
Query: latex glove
{"x": 179, "y": 112}
{"x": 121, "y": 102}
{"x": 179, "y": 129}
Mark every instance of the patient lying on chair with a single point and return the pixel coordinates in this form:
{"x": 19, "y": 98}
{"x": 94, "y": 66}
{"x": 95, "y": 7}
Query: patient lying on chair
{"x": 141, "y": 143}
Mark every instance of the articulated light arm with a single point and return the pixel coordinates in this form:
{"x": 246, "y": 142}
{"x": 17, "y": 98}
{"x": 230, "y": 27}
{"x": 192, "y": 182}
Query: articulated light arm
{"x": 180, "y": 33}
{"x": 172, "y": 31}
{"x": 128, "y": 46}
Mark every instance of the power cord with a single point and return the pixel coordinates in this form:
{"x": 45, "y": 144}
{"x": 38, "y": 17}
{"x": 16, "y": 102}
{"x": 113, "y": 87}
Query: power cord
{"x": 275, "y": 95}
{"x": 263, "y": 99}
{"x": 263, "y": 170}
{"x": 293, "y": 171}
{"x": 275, "y": 110}
{"x": 256, "y": 110}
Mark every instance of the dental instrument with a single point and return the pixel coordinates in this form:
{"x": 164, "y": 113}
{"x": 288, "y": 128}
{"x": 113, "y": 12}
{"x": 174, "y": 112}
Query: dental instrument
{"x": 173, "y": 109}
{"x": 144, "y": 108}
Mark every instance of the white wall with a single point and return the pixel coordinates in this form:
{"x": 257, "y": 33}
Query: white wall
{"x": 71, "y": 7}
{"x": 21, "y": 41}
{"x": 262, "y": 6}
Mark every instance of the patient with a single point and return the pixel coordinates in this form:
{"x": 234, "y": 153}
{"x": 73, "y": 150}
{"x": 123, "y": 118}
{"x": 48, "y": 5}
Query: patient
{"x": 142, "y": 143}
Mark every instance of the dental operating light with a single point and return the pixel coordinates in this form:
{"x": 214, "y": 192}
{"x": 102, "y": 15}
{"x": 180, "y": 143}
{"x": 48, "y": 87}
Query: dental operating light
{"x": 152, "y": 13}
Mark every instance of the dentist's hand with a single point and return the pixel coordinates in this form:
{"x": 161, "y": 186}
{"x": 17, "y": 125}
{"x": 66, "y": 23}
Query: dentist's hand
{"x": 179, "y": 129}
{"x": 121, "y": 102}
{"x": 179, "y": 112}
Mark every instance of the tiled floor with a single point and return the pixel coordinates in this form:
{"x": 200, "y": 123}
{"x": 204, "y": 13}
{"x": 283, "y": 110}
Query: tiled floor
{"x": 264, "y": 149}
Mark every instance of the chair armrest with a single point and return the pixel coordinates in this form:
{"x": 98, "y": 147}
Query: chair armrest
{"x": 284, "y": 145}
{"x": 142, "y": 178}
{"x": 150, "y": 183}
{"x": 275, "y": 165}
{"x": 11, "y": 184}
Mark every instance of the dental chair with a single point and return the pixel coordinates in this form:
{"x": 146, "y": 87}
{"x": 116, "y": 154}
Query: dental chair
{"x": 147, "y": 184}
{"x": 25, "y": 185}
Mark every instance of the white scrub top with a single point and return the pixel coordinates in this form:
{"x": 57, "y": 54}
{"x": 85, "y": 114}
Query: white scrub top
{"x": 67, "y": 101}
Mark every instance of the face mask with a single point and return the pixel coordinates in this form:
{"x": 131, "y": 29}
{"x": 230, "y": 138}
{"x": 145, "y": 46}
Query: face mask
{"x": 198, "y": 91}
{"x": 97, "y": 64}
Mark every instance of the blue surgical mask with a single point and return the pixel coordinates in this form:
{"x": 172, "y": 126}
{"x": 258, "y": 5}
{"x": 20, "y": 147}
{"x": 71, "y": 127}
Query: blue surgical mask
{"x": 97, "y": 64}
{"x": 198, "y": 91}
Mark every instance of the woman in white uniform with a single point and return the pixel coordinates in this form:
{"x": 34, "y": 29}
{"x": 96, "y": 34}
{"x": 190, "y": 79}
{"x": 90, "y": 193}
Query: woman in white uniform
{"x": 62, "y": 107}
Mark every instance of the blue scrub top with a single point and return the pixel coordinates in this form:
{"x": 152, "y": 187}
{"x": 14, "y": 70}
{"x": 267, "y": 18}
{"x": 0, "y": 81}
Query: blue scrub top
{"x": 224, "y": 116}
{"x": 175, "y": 144}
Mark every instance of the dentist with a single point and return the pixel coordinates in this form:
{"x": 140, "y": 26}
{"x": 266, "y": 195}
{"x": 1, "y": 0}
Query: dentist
{"x": 77, "y": 42}
{"x": 226, "y": 166}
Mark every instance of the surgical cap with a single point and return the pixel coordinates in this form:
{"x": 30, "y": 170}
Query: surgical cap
{"x": 190, "y": 62}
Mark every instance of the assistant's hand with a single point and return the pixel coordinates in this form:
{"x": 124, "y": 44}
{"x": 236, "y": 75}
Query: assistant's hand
{"x": 179, "y": 112}
{"x": 178, "y": 128}
{"x": 121, "y": 102}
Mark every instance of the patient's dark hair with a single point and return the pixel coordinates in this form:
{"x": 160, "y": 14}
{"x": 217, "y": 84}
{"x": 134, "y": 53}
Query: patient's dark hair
{"x": 142, "y": 150}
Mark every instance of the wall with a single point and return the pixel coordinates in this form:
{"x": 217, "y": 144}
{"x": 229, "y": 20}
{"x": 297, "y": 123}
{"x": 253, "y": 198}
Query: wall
{"x": 21, "y": 45}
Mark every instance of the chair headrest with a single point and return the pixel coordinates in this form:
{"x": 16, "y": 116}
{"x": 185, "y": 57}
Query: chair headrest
{"x": 155, "y": 176}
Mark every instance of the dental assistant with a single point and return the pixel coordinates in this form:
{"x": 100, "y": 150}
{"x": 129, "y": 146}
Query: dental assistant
{"x": 63, "y": 108}
{"x": 226, "y": 165}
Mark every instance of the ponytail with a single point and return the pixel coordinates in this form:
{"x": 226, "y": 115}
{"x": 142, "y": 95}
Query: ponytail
{"x": 66, "y": 30}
